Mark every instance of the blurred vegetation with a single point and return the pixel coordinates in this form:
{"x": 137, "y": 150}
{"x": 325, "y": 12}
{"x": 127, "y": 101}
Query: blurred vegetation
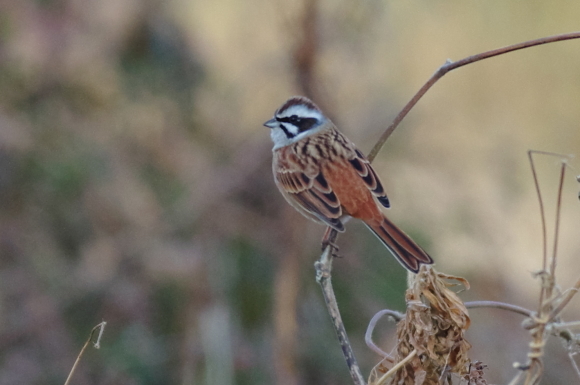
{"x": 135, "y": 181}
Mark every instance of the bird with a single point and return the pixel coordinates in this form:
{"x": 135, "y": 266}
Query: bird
{"x": 326, "y": 178}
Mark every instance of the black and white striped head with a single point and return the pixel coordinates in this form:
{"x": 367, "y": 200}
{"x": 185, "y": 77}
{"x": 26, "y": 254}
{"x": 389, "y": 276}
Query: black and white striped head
{"x": 296, "y": 119}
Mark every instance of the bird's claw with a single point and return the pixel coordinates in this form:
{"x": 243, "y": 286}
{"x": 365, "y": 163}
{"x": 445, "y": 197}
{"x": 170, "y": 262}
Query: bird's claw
{"x": 327, "y": 243}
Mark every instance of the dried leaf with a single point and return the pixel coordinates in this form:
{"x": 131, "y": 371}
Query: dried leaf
{"x": 434, "y": 326}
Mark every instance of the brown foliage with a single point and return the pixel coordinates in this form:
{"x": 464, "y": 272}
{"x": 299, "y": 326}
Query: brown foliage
{"x": 431, "y": 336}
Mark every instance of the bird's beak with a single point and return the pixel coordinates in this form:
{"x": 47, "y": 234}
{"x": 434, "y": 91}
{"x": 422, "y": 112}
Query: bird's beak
{"x": 271, "y": 123}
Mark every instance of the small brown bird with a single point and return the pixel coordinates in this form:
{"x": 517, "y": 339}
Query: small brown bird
{"x": 323, "y": 175}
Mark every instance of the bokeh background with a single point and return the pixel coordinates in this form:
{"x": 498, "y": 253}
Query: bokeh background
{"x": 135, "y": 182}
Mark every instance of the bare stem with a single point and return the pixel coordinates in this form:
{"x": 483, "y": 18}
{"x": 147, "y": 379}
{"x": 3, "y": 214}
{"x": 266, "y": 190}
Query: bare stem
{"x": 571, "y": 293}
{"x": 96, "y": 344}
{"x": 549, "y": 308}
{"x": 546, "y": 290}
{"x": 499, "y": 305}
{"x": 574, "y": 364}
{"x": 323, "y": 276}
{"x": 398, "y": 366}
{"x": 542, "y": 213}
{"x": 450, "y": 66}
{"x": 572, "y": 324}
{"x": 557, "y": 224}
{"x": 396, "y": 316}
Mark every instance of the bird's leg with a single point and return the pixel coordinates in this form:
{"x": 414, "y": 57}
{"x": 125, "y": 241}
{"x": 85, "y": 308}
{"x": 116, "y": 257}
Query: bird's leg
{"x": 328, "y": 239}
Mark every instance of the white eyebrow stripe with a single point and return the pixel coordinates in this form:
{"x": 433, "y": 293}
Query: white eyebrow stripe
{"x": 300, "y": 111}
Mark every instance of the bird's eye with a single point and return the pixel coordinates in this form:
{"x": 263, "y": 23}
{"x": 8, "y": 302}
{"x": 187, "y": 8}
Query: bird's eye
{"x": 293, "y": 119}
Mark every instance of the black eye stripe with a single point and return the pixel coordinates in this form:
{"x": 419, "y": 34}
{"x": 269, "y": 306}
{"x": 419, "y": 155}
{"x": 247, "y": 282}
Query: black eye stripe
{"x": 302, "y": 124}
{"x": 290, "y": 119}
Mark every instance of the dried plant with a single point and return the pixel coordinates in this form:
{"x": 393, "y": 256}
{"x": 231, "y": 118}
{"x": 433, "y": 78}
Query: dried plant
{"x": 552, "y": 301}
{"x": 431, "y": 338}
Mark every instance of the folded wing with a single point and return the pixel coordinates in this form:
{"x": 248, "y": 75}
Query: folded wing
{"x": 314, "y": 194}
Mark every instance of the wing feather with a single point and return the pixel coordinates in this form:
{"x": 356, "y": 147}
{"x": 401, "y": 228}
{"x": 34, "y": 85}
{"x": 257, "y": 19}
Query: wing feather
{"x": 312, "y": 193}
{"x": 363, "y": 167}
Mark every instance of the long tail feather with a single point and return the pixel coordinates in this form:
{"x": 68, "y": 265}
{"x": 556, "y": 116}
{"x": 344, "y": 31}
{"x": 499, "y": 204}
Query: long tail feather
{"x": 407, "y": 252}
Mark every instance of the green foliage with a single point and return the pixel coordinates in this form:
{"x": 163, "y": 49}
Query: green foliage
{"x": 249, "y": 290}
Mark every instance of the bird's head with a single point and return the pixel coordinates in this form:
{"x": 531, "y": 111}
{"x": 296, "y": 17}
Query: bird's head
{"x": 296, "y": 119}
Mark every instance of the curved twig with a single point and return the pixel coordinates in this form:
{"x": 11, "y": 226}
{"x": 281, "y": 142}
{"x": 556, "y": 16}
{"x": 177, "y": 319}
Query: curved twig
{"x": 450, "y": 66}
{"x": 571, "y": 293}
{"x": 96, "y": 345}
{"x": 399, "y": 365}
{"x": 396, "y": 316}
{"x": 499, "y": 305}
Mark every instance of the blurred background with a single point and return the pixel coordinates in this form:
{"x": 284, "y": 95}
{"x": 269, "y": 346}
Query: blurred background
{"x": 136, "y": 187}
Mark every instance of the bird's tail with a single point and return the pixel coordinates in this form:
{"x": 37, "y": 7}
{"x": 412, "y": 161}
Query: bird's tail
{"x": 407, "y": 252}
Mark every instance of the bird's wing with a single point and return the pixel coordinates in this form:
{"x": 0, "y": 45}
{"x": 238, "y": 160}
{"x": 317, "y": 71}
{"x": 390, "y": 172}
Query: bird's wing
{"x": 312, "y": 193}
{"x": 363, "y": 167}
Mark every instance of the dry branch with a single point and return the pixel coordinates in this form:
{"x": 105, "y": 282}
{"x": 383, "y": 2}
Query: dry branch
{"x": 450, "y": 66}
{"x": 323, "y": 277}
{"x": 96, "y": 345}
